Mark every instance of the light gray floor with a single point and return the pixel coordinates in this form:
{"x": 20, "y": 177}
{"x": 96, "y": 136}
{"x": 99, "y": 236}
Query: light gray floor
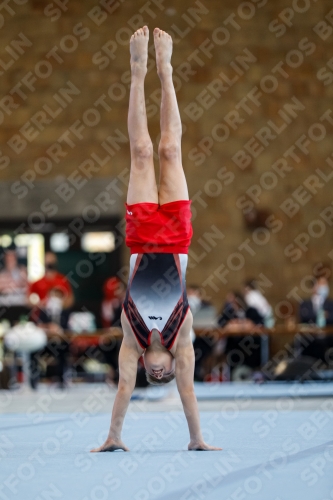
{"x": 211, "y": 397}
{"x": 273, "y": 449}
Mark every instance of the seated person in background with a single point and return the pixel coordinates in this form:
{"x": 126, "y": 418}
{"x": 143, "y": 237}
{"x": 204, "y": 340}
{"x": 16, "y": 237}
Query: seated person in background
{"x": 114, "y": 294}
{"x": 254, "y": 298}
{"x": 195, "y": 299}
{"x": 236, "y": 316}
{"x": 202, "y": 345}
{"x": 318, "y": 310}
{"x": 54, "y": 320}
{"x": 13, "y": 279}
{"x": 236, "y": 312}
{"x": 39, "y": 290}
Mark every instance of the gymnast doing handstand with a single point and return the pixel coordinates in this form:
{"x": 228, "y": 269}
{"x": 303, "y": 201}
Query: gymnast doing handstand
{"x": 156, "y": 319}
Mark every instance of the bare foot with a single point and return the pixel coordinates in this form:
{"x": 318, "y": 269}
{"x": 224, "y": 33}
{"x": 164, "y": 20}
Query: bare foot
{"x": 202, "y": 446}
{"x": 110, "y": 445}
{"x": 139, "y": 50}
{"x": 163, "y": 48}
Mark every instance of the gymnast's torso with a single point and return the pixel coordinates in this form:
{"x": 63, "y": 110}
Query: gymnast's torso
{"x": 156, "y": 297}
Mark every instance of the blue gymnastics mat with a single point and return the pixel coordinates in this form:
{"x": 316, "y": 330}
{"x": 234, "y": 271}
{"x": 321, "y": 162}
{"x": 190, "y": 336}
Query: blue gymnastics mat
{"x": 239, "y": 390}
{"x": 265, "y": 390}
{"x": 266, "y": 456}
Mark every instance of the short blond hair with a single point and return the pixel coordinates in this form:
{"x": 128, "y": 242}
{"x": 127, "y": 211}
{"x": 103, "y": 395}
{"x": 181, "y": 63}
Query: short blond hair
{"x": 159, "y": 381}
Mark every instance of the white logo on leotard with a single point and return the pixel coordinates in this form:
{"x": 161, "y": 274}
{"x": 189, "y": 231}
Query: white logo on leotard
{"x": 129, "y": 213}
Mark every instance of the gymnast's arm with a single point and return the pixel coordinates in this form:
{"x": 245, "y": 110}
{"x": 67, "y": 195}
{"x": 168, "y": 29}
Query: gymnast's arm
{"x": 185, "y": 360}
{"x": 128, "y": 364}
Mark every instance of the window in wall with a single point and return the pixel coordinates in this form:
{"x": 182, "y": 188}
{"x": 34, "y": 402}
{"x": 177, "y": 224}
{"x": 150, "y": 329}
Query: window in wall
{"x": 103, "y": 241}
{"x": 34, "y": 243}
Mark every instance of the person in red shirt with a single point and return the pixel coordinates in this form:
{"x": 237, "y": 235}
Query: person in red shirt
{"x": 43, "y": 295}
{"x": 39, "y": 290}
{"x": 114, "y": 295}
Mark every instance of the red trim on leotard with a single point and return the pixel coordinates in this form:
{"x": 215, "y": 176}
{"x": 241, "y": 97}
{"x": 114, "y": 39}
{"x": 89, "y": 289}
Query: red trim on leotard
{"x": 179, "y": 327}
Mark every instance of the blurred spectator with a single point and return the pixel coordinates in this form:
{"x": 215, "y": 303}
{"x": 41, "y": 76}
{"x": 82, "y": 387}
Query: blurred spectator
{"x": 237, "y": 316}
{"x": 13, "y": 279}
{"x": 237, "y": 312}
{"x": 200, "y": 309}
{"x": 53, "y": 318}
{"x": 39, "y": 290}
{"x": 318, "y": 310}
{"x": 53, "y": 311}
{"x": 51, "y": 298}
{"x": 114, "y": 294}
{"x": 195, "y": 299}
{"x": 254, "y": 298}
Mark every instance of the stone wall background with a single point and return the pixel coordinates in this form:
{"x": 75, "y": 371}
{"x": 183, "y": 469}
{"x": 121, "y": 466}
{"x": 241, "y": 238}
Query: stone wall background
{"x": 262, "y": 203}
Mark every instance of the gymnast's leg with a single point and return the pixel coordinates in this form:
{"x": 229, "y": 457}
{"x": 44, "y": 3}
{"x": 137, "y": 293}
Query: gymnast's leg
{"x": 173, "y": 186}
{"x": 142, "y": 184}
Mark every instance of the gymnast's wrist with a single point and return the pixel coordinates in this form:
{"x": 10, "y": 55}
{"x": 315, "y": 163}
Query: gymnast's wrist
{"x": 114, "y": 434}
{"x": 196, "y": 438}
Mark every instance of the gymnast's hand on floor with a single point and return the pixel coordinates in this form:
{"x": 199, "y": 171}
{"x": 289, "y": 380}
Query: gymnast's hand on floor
{"x": 202, "y": 446}
{"x": 111, "y": 444}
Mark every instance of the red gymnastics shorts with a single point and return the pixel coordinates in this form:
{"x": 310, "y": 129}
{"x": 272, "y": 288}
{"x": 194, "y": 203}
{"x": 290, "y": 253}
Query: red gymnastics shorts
{"x": 153, "y": 228}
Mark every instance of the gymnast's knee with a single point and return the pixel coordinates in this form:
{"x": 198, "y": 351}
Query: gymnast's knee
{"x": 169, "y": 150}
{"x": 142, "y": 149}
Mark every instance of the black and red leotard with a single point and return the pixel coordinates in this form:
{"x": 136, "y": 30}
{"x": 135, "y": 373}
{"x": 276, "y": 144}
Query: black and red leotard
{"x": 159, "y": 237}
